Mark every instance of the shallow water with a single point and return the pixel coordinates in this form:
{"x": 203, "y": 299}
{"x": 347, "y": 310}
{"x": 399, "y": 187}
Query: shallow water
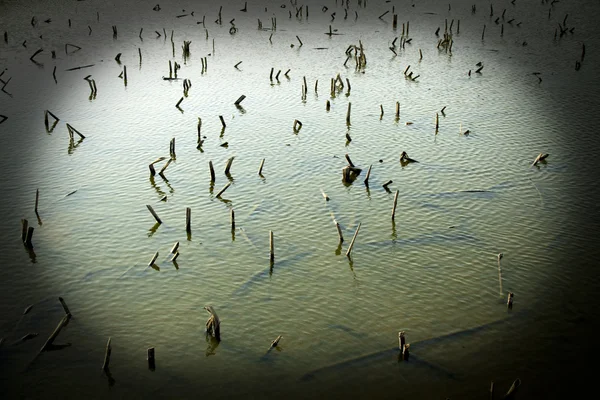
{"x": 432, "y": 272}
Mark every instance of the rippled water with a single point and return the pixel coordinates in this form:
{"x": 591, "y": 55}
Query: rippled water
{"x": 431, "y": 273}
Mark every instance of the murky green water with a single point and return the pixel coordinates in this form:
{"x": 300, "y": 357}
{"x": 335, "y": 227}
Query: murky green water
{"x": 431, "y": 273}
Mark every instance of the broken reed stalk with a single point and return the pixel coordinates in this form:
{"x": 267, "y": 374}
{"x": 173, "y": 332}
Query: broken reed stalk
{"x": 238, "y": 101}
{"x": 125, "y": 74}
{"x": 172, "y": 148}
{"x": 162, "y": 170}
{"x": 232, "y": 219}
{"x": 510, "y": 394}
{"x": 151, "y": 359}
{"x": 212, "y": 172}
{"x": 348, "y": 114}
{"x": 174, "y": 248}
{"x": 262, "y": 163}
{"x": 71, "y": 130}
{"x": 222, "y": 121}
{"x": 28, "y": 237}
{"x": 223, "y": 190}
{"x": 54, "y": 334}
{"x": 305, "y": 89}
{"x": 228, "y": 165}
{"x": 405, "y": 351}
{"x": 107, "y": 356}
{"x": 509, "y": 302}
{"x": 37, "y": 198}
{"x": 64, "y": 305}
{"x": 188, "y": 220}
{"x": 397, "y": 110}
{"x": 500, "y": 273}
{"x": 153, "y": 213}
{"x": 299, "y": 40}
{"x": 339, "y": 230}
{"x": 275, "y": 342}
{"x": 297, "y": 126}
{"x": 151, "y": 165}
{"x": 401, "y": 340}
{"x": 395, "y": 203}
{"x": 327, "y": 106}
{"x": 350, "y": 163}
{"x": 353, "y": 239}
{"x": 271, "y": 248}
{"x": 153, "y": 259}
{"x": 368, "y": 175}
{"x": 213, "y": 325}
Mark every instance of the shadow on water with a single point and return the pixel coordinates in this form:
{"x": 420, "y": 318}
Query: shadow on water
{"x": 267, "y": 273}
{"x": 425, "y": 240}
{"x": 31, "y": 254}
{"x": 414, "y": 360}
{"x": 110, "y": 380}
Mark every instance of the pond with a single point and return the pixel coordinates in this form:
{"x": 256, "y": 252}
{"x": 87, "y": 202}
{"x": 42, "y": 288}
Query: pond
{"x": 473, "y": 107}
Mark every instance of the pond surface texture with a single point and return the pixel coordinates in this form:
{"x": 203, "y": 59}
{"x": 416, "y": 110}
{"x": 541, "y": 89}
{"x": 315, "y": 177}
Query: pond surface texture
{"x": 432, "y": 272}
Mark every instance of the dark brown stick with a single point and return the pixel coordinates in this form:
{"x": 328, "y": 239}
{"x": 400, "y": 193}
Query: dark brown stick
{"x": 54, "y": 334}
{"x": 107, "y": 356}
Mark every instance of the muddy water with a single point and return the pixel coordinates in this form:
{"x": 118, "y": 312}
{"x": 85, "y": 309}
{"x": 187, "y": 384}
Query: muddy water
{"x": 432, "y": 272}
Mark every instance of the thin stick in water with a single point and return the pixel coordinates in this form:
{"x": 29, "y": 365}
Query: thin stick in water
{"x": 37, "y": 197}
{"x": 368, "y": 175}
{"x": 238, "y": 101}
{"x": 107, "y": 356}
{"x": 151, "y": 359}
{"x": 339, "y": 230}
{"x": 212, "y": 172}
{"x": 54, "y": 334}
{"x": 188, "y": 219}
{"x": 228, "y": 165}
{"x": 395, "y": 202}
{"x": 64, "y": 305}
{"x": 223, "y": 190}
{"x": 352, "y": 242}
{"x": 500, "y": 273}
{"x": 348, "y": 114}
{"x": 153, "y": 259}
{"x": 153, "y": 213}
{"x": 271, "y": 247}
